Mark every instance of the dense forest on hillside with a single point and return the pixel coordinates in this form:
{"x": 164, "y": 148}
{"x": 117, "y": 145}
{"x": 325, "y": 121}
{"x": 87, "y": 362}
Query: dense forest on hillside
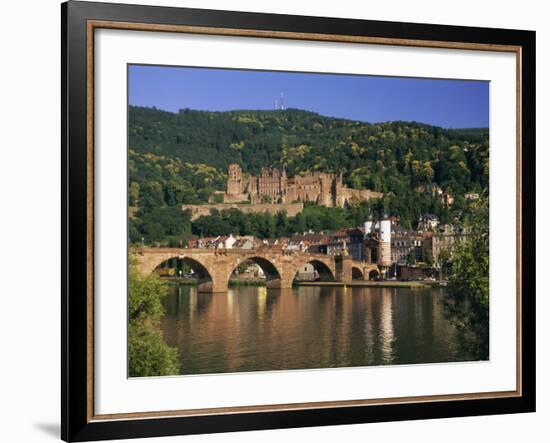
{"x": 182, "y": 157}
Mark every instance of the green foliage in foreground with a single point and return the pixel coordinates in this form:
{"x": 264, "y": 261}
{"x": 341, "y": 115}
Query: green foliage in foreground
{"x": 148, "y": 353}
{"x": 468, "y": 287}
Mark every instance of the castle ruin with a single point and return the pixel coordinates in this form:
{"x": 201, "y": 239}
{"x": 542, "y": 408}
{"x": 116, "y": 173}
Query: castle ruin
{"x": 273, "y": 186}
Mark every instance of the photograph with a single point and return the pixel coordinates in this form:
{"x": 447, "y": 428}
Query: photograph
{"x": 283, "y": 220}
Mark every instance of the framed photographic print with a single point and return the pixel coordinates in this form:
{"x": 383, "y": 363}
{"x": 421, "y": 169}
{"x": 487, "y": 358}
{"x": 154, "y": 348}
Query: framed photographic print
{"x": 277, "y": 221}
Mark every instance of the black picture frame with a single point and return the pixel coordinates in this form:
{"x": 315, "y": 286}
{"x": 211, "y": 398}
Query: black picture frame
{"x": 76, "y": 422}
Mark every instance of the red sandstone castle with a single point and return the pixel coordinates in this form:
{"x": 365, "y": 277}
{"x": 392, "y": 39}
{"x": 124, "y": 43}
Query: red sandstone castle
{"x": 273, "y": 186}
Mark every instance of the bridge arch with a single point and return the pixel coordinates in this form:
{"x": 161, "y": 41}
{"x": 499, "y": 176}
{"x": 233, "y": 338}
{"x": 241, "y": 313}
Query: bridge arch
{"x": 322, "y": 270}
{"x": 357, "y": 273}
{"x": 272, "y": 274}
{"x": 374, "y": 274}
{"x": 200, "y": 271}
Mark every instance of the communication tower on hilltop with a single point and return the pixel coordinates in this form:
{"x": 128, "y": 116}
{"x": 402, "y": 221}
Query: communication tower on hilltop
{"x": 280, "y": 103}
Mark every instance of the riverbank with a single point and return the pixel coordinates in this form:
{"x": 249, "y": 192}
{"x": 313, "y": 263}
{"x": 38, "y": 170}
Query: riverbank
{"x": 180, "y": 281}
{"x": 232, "y": 282}
{"x": 375, "y": 284}
{"x": 354, "y": 283}
{"x": 247, "y": 282}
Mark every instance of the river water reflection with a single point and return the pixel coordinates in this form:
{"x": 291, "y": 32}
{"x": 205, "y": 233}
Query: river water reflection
{"x": 259, "y": 329}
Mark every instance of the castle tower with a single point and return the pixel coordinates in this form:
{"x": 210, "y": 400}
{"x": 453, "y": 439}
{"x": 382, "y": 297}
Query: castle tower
{"x": 326, "y": 194}
{"x": 384, "y": 245}
{"x": 234, "y": 179}
{"x": 338, "y": 196}
{"x": 368, "y": 227}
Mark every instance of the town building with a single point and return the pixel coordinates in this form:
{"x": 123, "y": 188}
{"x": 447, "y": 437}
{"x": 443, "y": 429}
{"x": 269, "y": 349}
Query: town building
{"x": 445, "y": 198}
{"x": 427, "y": 222}
{"x": 308, "y": 241}
{"x": 437, "y": 245}
{"x": 245, "y": 242}
{"x": 337, "y": 242}
{"x": 307, "y": 273}
{"x": 218, "y": 242}
{"x": 347, "y": 242}
{"x": 406, "y": 246}
{"x": 189, "y": 241}
{"x": 274, "y": 244}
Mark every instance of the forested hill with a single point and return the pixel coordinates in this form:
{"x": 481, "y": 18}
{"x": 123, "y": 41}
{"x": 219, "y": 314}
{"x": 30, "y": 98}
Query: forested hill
{"x": 368, "y": 154}
{"x": 182, "y": 157}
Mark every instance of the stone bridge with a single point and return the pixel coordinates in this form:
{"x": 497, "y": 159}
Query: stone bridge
{"x": 215, "y": 266}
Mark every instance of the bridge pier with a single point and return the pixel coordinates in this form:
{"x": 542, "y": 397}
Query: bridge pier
{"x": 343, "y": 265}
{"x": 219, "y": 274}
{"x": 279, "y": 283}
{"x": 213, "y": 287}
{"x": 287, "y": 272}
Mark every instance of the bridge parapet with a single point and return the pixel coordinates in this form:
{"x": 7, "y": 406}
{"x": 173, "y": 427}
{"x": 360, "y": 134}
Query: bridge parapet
{"x": 223, "y": 251}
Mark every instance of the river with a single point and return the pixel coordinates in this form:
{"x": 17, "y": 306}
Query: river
{"x": 259, "y": 329}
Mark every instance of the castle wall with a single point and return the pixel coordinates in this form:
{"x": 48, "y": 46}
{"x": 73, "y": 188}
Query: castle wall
{"x": 348, "y": 195}
{"x": 292, "y": 209}
{"x": 235, "y": 198}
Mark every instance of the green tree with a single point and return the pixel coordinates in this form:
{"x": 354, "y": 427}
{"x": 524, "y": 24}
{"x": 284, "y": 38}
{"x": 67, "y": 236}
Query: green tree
{"x": 148, "y": 353}
{"x": 133, "y": 193}
{"x": 428, "y": 257}
{"x": 467, "y": 306}
{"x": 411, "y": 258}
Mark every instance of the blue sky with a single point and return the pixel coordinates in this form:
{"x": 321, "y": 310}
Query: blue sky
{"x": 446, "y": 103}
